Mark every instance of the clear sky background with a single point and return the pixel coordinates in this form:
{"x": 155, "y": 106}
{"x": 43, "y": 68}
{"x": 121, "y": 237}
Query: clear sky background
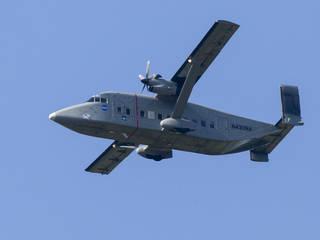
{"x": 58, "y": 53}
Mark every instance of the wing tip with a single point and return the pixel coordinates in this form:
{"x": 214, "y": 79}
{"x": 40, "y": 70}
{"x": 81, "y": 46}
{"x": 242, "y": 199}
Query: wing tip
{"x": 229, "y": 23}
{"x": 102, "y": 172}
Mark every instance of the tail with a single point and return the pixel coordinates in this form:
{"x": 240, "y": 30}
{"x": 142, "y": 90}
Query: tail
{"x": 291, "y": 117}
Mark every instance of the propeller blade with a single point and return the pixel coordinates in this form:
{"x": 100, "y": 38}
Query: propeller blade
{"x": 144, "y": 86}
{"x": 148, "y": 69}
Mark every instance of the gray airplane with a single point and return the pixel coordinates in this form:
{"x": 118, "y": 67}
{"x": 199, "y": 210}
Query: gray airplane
{"x": 154, "y": 126}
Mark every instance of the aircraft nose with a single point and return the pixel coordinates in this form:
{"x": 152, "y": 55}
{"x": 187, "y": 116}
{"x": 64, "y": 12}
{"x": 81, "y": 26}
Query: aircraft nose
{"x": 61, "y": 116}
{"x": 52, "y": 116}
{"x": 67, "y": 116}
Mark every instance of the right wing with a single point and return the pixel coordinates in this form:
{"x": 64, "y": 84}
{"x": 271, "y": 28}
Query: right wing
{"x": 110, "y": 158}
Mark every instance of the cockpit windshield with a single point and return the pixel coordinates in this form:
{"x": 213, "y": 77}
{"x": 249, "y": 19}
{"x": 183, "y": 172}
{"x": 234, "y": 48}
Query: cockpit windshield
{"x": 98, "y": 99}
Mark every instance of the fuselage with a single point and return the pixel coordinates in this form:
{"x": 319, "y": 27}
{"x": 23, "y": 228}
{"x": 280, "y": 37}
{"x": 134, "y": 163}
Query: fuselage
{"x": 135, "y": 119}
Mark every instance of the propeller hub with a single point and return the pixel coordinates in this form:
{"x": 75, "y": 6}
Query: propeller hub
{"x": 145, "y": 80}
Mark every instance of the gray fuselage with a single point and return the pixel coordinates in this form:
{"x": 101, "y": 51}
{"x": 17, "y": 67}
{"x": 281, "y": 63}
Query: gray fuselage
{"x": 136, "y": 119}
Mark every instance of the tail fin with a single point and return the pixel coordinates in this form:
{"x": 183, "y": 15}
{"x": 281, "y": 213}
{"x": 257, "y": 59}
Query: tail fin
{"x": 291, "y": 113}
{"x": 291, "y": 117}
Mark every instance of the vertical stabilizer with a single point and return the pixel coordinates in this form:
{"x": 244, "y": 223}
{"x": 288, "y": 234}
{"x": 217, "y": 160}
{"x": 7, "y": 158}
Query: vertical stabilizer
{"x": 291, "y": 117}
{"x": 291, "y": 113}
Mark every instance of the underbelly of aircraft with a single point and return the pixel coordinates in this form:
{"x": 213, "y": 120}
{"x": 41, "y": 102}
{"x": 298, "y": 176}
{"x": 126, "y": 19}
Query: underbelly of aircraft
{"x": 163, "y": 139}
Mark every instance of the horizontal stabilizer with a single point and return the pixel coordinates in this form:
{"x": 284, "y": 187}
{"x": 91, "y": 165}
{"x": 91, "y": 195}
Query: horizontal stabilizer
{"x": 260, "y": 154}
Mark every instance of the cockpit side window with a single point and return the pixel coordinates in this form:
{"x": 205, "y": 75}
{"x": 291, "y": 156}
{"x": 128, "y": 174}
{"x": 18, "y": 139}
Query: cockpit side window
{"x": 98, "y": 99}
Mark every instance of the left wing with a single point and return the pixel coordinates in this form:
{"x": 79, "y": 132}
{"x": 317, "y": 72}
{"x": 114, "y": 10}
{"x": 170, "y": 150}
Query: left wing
{"x": 110, "y": 158}
{"x": 206, "y": 51}
{"x": 199, "y": 60}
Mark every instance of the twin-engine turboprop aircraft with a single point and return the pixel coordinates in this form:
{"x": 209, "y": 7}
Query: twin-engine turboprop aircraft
{"x": 154, "y": 126}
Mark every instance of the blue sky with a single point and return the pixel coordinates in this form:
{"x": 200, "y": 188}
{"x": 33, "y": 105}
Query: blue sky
{"x": 58, "y": 53}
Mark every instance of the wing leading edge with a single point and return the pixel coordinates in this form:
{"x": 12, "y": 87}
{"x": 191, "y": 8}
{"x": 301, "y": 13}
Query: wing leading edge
{"x": 110, "y": 158}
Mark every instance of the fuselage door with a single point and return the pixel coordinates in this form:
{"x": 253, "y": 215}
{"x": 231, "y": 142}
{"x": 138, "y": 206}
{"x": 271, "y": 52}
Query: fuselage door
{"x": 124, "y": 109}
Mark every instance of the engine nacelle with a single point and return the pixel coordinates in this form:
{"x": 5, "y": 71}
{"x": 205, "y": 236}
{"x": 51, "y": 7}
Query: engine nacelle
{"x": 163, "y": 89}
{"x": 154, "y": 153}
{"x": 178, "y": 125}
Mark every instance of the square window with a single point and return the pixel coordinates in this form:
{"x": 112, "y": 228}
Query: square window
{"x": 119, "y": 109}
{"x": 151, "y": 115}
{"x": 211, "y": 124}
{"x": 159, "y": 116}
{"x": 128, "y": 111}
{"x": 203, "y": 123}
{"x": 103, "y": 100}
{"x": 142, "y": 113}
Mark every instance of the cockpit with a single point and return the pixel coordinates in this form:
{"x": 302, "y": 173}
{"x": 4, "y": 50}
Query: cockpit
{"x": 98, "y": 99}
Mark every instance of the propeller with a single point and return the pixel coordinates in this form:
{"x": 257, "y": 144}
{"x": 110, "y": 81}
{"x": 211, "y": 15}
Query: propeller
{"x": 145, "y": 79}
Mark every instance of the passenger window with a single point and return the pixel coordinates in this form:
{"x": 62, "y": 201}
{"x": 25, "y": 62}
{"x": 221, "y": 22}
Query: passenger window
{"x": 151, "y": 115}
{"x": 97, "y": 99}
{"x": 91, "y": 99}
{"x": 211, "y": 124}
{"x": 119, "y": 109}
{"x": 128, "y": 111}
{"x": 159, "y": 116}
{"x": 203, "y": 123}
{"x": 103, "y": 100}
{"x": 142, "y": 113}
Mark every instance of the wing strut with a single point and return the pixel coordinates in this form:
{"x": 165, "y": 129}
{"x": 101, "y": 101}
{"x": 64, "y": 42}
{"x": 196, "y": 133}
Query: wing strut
{"x": 184, "y": 94}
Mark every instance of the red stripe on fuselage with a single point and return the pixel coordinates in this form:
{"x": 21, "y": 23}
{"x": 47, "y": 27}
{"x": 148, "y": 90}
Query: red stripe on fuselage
{"x": 137, "y": 112}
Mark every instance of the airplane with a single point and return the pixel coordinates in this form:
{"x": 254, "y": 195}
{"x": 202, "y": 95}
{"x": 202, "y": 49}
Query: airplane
{"x": 155, "y": 126}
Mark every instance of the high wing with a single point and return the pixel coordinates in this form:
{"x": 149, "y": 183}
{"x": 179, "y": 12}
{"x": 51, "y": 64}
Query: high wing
{"x": 110, "y": 158}
{"x": 199, "y": 60}
{"x": 206, "y": 51}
